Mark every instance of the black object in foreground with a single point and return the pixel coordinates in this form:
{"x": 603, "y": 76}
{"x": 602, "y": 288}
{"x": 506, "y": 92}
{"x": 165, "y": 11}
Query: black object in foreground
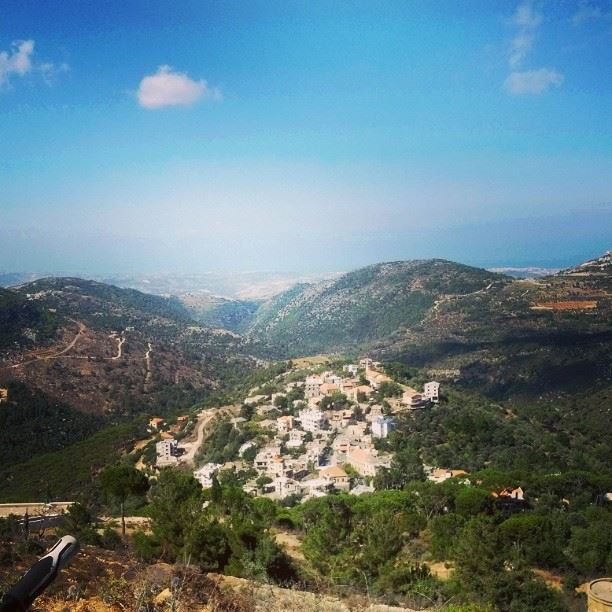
{"x": 39, "y": 576}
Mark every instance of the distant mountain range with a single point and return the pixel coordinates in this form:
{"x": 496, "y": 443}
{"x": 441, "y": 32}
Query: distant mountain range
{"x": 78, "y": 355}
{"x": 108, "y": 350}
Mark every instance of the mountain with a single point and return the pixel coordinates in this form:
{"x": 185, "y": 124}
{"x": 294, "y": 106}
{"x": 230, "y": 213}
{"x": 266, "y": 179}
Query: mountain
{"x": 362, "y": 307}
{"x": 23, "y": 322}
{"x": 105, "y": 350}
{"x": 219, "y": 311}
{"x": 504, "y": 336}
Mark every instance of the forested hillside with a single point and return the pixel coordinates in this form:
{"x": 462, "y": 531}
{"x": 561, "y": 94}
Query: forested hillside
{"x": 362, "y": 307}
{"x": 502, "y": 335}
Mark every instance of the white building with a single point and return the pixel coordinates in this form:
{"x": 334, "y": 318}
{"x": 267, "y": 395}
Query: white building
{"x": 351, "y": 368}
{"x": 284, "y": 486}
{"x": 166, "y": 452}
{"x": 311, "y": 420}
{"x": 431, "y": 391}
{"x": 254, "y": 399}
{"x": 204, "y": 475}
{"x": 366, "y": 363}
{"x": 265, "y": 457}
{"x": 296, "y": 438}
{"x": 331, "y": 379}
{"x": 382, "y": 426}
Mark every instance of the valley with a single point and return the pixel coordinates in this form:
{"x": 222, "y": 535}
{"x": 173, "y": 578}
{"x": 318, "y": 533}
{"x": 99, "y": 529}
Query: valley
{"x": 350, "y": 436}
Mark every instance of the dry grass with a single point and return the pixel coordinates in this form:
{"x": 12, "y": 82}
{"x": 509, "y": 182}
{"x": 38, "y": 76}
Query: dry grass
{"x": 565, "y": 305}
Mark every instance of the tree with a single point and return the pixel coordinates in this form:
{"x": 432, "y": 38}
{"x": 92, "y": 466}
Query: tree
{"x": 262, "y": 481}
{"x": 120, "y": 481}
{"x": 176, "y": 502}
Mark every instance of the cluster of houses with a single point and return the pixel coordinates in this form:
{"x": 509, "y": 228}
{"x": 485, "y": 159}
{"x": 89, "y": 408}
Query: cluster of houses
{"x": 319, "y": 446}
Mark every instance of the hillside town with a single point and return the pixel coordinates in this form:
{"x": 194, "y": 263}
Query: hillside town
{"x": 315, "y": 435}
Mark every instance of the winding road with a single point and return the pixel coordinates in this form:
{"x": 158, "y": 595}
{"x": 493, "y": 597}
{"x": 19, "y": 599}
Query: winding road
{"x": 147, "y": 359}
{"x": 58, "y": 354}
{"x": 191, "y": 448}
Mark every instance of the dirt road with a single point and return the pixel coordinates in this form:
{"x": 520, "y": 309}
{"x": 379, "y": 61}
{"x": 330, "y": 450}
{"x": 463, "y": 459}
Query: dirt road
{"x": 191, "y": 448}
{"x": 59, "y": 353}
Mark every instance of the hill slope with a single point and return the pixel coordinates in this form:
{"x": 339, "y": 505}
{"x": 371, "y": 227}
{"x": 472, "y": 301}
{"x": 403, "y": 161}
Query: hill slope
{"x": 111, "y": 350}
{"x": 504, "y": 335}
{"x": 364, "y": 306}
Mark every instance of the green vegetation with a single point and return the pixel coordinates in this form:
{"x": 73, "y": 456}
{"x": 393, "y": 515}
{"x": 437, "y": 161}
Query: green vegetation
{"x": 31, "y": 424}
{"x": 67, "y": 473}
{"x": 223, "y": 442}
{"x": 105, "y": 306}
{"x": 361, "y": 307}
{"x": 121, "y": 481}
{"x": 23, "y": 322}
{"x": 385, "y": 542}
{"x": 229, "y": 533}
{"x": 224, "y": 313}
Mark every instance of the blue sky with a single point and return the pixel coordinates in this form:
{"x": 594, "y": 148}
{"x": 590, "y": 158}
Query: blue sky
{"x": 311, "y": 136}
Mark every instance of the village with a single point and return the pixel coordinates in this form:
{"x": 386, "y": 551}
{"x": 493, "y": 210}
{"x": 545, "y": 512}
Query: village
{"x": 316, "y": 435}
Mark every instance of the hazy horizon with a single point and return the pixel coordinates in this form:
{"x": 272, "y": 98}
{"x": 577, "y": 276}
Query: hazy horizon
{"x": 305, "y": 137}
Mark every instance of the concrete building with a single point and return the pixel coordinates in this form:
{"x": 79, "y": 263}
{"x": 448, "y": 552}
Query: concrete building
{"x": 331, "y": 379}
{"x": 364, "y": 462}
{"x": 382, "y": 426}
{"x": 284, "y": 424}
{"x": 431, "y": 391}
{"x": 366, "y": 363}
{"x": 412, "y": 398}
{"x": 296, "y": 438}
{"x": 284, "y": 486}
{"x": 204, "y": 475}
{"x": 265, "y": 456}
{"x": 167, "y": 452}
{"x": 156, "y": 423}
{"x": 441, "y": 474}
{"x": 351, "y": 368}
{"x": 312, "y": 387}
{"x": 336, "y": 477}
{"x": 254, "y": 399}
{"x": 311, "y": 420}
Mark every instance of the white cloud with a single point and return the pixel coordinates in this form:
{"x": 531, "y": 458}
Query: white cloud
{"x": 527, "y": 20}
{"x": 532, "y": 81}
{"x": 50, "y": 71}
{"x": 169, "y": 88}
{"x": 17, "y": 61}
{"x": 526, "y": 17}
{"x": 520, "y": 47}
